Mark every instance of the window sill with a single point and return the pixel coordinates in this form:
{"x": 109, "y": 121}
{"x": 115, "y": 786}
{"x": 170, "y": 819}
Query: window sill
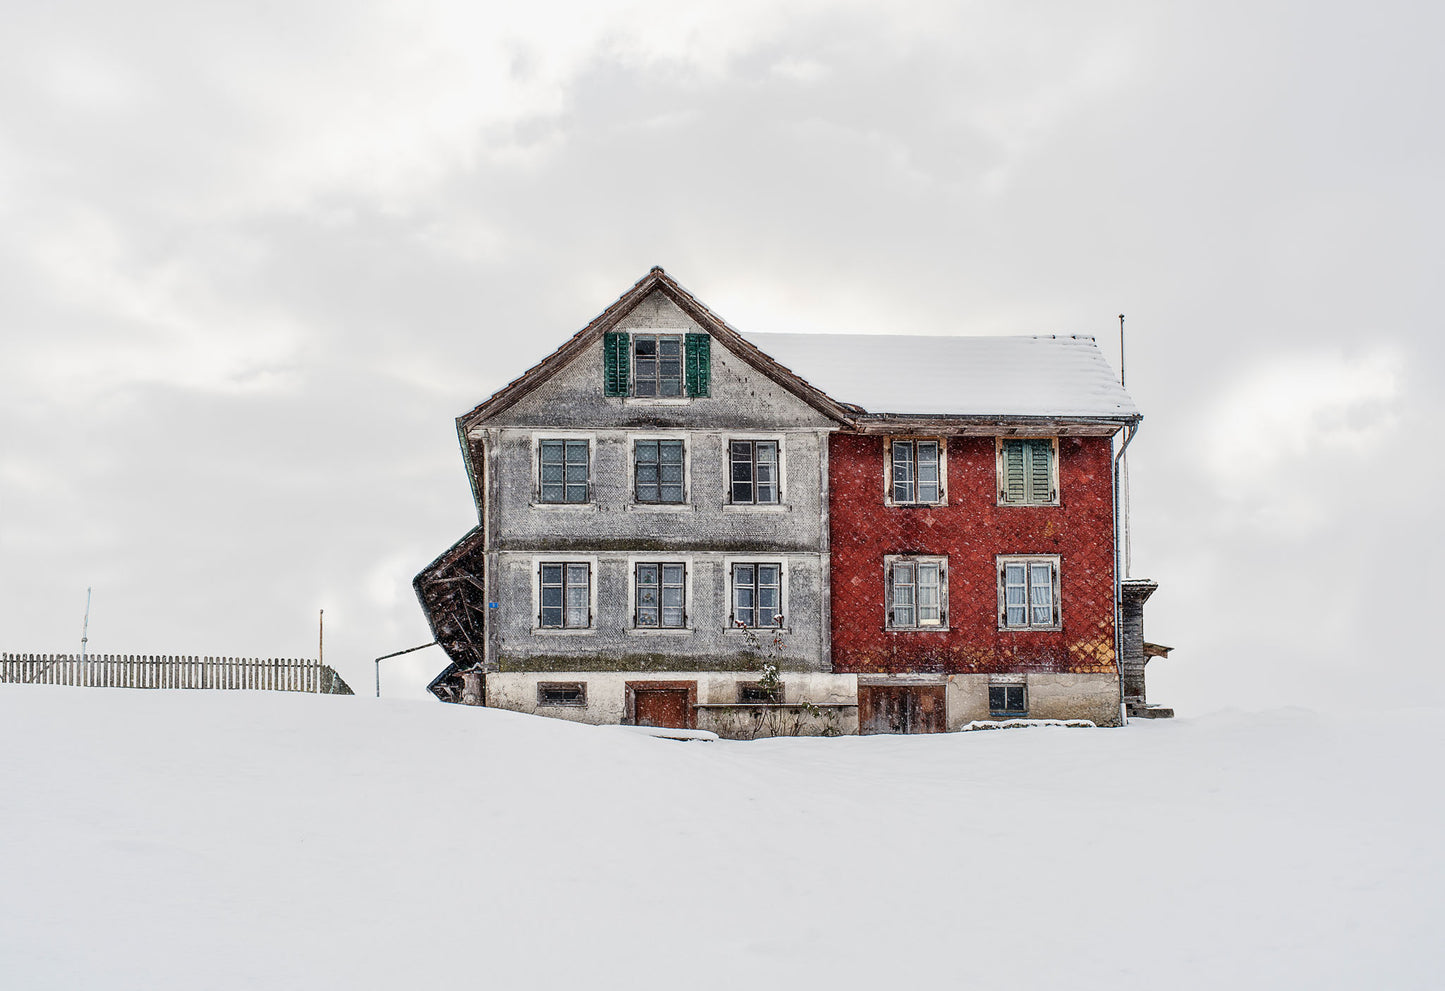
{"x": 756, "y": 507}
{"x": 549, "y": 631}
{"x": 889, "y": 503}
{"x": 660, "y": 507}
{"x": 657, "y": 400}
{"x": 1008, "y": 715}
{"x": 742, "y": 631}
{"x": 916, "y": 629}
{"x": 660, "y": 631}
{"x": 1028, "y": 505}
{"x": 574, "y": 507}
{"x": 1030, "y": 629}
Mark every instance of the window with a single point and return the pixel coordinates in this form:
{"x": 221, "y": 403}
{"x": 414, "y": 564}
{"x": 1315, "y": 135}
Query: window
{"x": 1028, "y": 593}
{"x": 757, "y": 595}
{"x": 1028, "y": 472}
{"x": 563, "y": 470}
{"x": 917, "y": 593}
{"x": 661, "y": 592}
{"x": 916, "y": 475}
{"x": 566, "y": 597}
{"x": 562, "y": 693}
{"x": 657, "y": 365}
{"x": 657, "y": 470}
{"x": 754, "y": 471}
{"x": 753, "y": 692}
{"x": 1007, "y": 700}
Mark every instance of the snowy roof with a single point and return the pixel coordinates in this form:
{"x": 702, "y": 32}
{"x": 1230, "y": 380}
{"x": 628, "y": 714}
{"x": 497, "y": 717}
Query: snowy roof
{"x": 956, "y": 376}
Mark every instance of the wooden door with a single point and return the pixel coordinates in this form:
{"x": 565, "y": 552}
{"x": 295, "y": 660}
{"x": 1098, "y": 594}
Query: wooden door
{"x": 663, "y": 704}
{"x": 901, "y": 709}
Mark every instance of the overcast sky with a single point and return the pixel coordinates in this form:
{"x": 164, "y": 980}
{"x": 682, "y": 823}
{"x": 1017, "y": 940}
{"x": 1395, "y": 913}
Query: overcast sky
{"x": 255, "y": 258}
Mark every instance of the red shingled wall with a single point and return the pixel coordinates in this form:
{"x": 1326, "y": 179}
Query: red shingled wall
{"x": 972, "y": 530}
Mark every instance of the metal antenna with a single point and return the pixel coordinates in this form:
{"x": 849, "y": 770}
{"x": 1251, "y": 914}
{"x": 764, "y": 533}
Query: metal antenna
{"x": 1121, "y": 350}
{"x": 321, "y": 638}
{"x": 85, "y": 629}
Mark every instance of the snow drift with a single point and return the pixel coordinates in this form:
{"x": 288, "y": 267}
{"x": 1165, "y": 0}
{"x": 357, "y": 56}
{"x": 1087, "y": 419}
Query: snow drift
{"x": 159, "y": 840}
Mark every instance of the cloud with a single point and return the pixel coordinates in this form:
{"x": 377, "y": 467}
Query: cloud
{"x": 1276, "y": 434}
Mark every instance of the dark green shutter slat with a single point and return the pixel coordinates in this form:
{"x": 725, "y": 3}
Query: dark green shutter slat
{"x": 615, "y": 363}
{"x": 699, "y": 365}
{"x": 1040, "y": 471}
{"x": 1013, "y": 471}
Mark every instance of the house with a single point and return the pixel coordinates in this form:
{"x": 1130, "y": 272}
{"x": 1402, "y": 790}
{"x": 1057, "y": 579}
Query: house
{"x": 676, "y": 528}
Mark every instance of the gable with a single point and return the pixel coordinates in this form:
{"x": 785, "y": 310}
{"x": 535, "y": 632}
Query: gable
{"x": 570, "y": 385}
{"x": 738, "y": 394}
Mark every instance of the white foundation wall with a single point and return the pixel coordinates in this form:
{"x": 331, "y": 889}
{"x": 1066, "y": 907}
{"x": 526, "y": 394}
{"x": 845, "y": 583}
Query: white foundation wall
{"x": 831, "y": 698}
{"x": 1049, "y": 696}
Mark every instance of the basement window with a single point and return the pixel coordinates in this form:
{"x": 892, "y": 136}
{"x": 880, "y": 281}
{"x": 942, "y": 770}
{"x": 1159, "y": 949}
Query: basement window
{"x": 754, "y": 693}
{"x": 1007, "y": 700}
{"x": 562, "y": 693}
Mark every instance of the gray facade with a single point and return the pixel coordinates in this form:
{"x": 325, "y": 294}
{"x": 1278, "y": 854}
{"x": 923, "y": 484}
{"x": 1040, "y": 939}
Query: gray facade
{"x": 613, "y": 532}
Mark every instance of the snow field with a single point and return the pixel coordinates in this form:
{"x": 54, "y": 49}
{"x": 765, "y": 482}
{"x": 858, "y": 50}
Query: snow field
{"x": 190, "y": 840}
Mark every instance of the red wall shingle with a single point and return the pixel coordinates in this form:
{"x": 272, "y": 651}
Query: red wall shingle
{"x": 972, "y": 530}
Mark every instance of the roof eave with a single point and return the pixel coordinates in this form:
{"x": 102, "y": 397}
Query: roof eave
{"x": 995, "y": 424}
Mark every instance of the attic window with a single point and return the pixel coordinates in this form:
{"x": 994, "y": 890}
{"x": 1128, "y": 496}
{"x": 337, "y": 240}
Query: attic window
{"x": 656, "y": 366}
{"x": 562, "y": 693}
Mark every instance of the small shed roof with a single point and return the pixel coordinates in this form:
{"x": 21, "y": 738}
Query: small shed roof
{"x": 956, "y": 376}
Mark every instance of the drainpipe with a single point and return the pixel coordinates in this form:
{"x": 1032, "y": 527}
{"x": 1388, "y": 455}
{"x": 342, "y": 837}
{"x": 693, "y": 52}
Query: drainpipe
{"x": 1130, "y": 430}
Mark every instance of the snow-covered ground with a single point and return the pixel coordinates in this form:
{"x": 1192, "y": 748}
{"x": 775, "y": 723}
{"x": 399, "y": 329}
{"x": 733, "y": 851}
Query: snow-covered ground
{"x": 188, "y": 840}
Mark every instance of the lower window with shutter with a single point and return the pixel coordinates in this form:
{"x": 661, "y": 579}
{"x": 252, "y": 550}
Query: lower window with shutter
{"x": 917, "y": 593}
{"x": 757, "y": 595}
{"x": 565, "y": 599}
{"x": 660, "y": 596}
{"x": 1028, "y": 593}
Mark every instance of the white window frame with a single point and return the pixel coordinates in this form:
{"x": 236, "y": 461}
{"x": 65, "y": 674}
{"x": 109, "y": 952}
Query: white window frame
{"x": 564, "y": 435}
{"x": 536, "y": 580}
{"x": 729, "y": 590}
{"x": 1054, "y": 489}
{"x": 888, "y": 499}
{"x": 633, "y": 503}
{"x": 1028, "y": 561}
{"x": 890, "y": 562}
{"x": 687, "y": 596}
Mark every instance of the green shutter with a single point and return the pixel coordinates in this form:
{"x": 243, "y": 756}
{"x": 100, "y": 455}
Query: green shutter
{"x": 1013, "y": 486}
{"x": 699, "y": 365}
{"x": 1040, "y": 472}
{"x": 615, "y": 363}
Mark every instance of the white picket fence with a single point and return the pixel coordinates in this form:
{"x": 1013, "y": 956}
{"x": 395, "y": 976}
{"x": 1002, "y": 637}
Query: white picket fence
{"x": 153, "y": 671}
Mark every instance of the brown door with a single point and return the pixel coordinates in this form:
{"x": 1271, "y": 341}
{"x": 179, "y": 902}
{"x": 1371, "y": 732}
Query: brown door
{"x": 901, "y": 709}
{"x": 667, "y": 707}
